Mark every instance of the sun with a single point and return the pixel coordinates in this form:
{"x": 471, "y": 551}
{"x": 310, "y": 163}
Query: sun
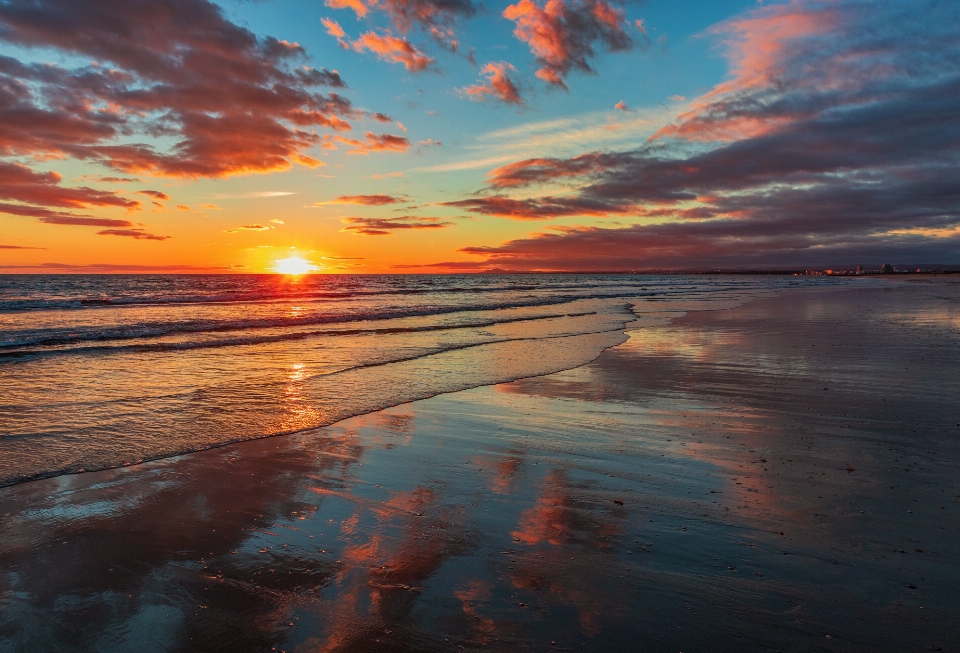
{"x": 294, "y": 265}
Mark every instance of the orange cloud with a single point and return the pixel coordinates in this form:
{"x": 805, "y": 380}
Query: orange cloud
{"x": 335, "y": 30}
{"x": 562, "y": 36}
{"x": 21, "y": 184}
{"x": 393, "y": 49}
{"x": 358, "y": 7}
{"x": 375, "y": 143}
{"x": 498, "y": 85}
{"x": 233, "y": 102}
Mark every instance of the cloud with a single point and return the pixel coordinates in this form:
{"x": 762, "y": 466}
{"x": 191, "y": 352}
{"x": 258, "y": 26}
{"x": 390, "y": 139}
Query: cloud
{"x": 121, "y": 267}
{"x": 445, "y": 265}
{"x": 622, "y": 106}
{"x": 562, "y": 36}
{"x": 539, "y": 171}
{"x": 247, "y": 227}
{"x": 543, "y": 208}
{"x": 498, "y": 85}
{"x": 154, "y": 194}
{"x": 336, "y": 31}
{"x": 110, "y": 180}
{"x": 367, "y": 200}
{"x": 835, "y": 140}
{"x": 85, "y": 222}
{"x": 375, "y": 143}
{"x": 19, "y": 247}
{"x": 139, "y": 234}
{"x": 21, "y": 184}
{"x": 387, "y": 175}
{"x": 386, "y": 226}
{"x": 357, "y": 5}
{"x": 229, "y": 102}
{"x": 558, "y": 136}
{"x": 393, "y": 49}
{"x": 434, "y": 17}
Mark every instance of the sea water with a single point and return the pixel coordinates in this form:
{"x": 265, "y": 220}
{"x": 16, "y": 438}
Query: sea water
{"x": 98, "y": 371}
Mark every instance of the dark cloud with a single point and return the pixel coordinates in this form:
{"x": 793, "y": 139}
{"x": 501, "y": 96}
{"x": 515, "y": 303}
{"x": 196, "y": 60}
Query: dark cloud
{"x": 386, "y": 226}
{"x": 85, "y": 221}
{"x": 139, "y": 234}
{"x": 374, "y": 143}
{"x": 21, "y": 184}
{"x": 472, "y": 266}
{"x": 542, "y": 208}
{"x": 156, "y": 194}
{"x": 367, "y": 200}
{"x": 19, "y": 247}
{"x": 234, "y": 103}
{"x": 837, "y": 139}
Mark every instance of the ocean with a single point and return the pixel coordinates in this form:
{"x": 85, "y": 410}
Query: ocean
{"x": 101, "y": 371}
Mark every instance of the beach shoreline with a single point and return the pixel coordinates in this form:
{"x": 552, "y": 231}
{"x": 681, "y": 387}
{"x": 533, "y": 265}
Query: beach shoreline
{"x": 763, "y": 477}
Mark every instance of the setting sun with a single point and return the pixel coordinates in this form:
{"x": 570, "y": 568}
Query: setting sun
{"x": 294, "y": 265}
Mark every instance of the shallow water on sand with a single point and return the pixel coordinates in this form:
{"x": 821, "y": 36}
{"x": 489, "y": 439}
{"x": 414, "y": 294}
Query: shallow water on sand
{"x": 103, "y": 371}
{"x": 781, "y": 476}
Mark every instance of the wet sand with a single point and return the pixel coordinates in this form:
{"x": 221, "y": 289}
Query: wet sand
{"x": 780, "y": 476}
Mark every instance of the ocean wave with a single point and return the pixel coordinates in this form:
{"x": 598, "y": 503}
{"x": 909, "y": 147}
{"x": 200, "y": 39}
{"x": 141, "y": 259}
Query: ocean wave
{"x": 59, "y": 337}
{"x": 27, "y": 352}
{"x": 81, "y": 298}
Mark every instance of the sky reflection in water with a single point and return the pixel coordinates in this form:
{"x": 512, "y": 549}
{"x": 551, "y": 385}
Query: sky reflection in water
{"x": 636, "y": 502}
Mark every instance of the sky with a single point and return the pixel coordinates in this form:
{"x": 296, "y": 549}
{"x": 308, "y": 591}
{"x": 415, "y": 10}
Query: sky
{"x": 386, "y": 136}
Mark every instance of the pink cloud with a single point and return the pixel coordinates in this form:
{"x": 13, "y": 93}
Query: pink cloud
{"x": 562, "y": 36}
{"x": 393, "y": 49}
{"x": 498, "y": 85}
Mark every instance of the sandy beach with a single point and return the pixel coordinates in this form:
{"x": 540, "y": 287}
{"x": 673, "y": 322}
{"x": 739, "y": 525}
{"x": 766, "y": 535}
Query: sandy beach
{"x": 780, "y": 476}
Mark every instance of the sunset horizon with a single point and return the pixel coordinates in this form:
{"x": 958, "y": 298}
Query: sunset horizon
{"x": 460, "y": 326}
{"x": 395, "y": 137}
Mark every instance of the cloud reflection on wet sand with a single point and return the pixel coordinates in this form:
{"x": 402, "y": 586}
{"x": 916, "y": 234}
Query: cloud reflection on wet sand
{"x": 635, "y": 502}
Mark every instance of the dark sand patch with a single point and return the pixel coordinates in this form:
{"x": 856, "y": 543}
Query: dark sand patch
{"x": 635, "y": 503}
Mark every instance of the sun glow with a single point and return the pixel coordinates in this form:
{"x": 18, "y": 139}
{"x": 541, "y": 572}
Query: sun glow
{"x": 294, "y": 265}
